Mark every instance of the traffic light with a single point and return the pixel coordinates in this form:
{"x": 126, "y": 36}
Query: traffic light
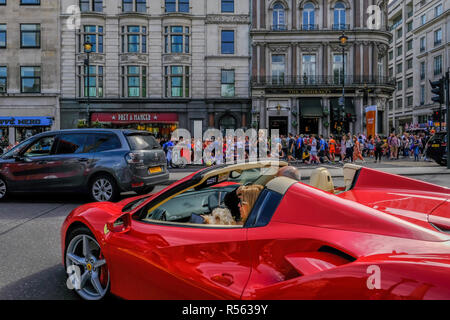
{"x": 436, "y": 116}
{"x": 438, "y": 90}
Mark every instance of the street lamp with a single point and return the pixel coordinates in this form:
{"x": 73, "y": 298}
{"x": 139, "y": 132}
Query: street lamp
{"x": 343, "y": 43}
{"x": 88, "y": 49}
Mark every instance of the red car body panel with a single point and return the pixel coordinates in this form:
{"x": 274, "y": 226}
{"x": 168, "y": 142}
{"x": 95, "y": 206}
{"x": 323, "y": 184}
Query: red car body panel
{"x": 316, "y": 246}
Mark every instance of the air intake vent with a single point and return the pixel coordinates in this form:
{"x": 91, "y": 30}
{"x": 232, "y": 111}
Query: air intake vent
{"x": 337, "y": 252}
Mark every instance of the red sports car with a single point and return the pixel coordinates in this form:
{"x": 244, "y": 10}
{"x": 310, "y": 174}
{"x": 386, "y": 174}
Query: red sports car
{"x": 380, "y": 236}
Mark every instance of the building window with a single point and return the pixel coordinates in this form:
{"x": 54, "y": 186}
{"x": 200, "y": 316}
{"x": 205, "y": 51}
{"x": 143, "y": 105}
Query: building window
{"x": 400, "y": 85}
{"x": 409, "y": 101}
{"x": 2, "y": 2}
{"x": 92, "y": 85}
{"x": 176, "y": 39}
{"x": 380, "y": 67}
{"x": 423, "y": 19}
{"x": 391, "y": 72}
{"x": 3, "y": 79}
{"x": 134, "y": 81}
{"x": 438, "y": 10}
{"x": 391, "y": 105}
{"x": 30, "y": 2}
{"x": 338, "y": 68}
{"x": 91, "y": 5}
{"x": 93, "y": 35}
{"x": 227, "y": 83}
{"x": 30, "y": 79}
{"x": 422, "y": 95}
{"x": 177, "y": 5}
{"x": 399, "y": 103}
{"x": 409, "y": 26}
{"x": 30, "y": 35}
{"x": 279, "y": 17}
{"x": 309, "y": 68}
{"x": 177, "y": 83}
{"x": 409, "y": 45}
{"x": 134, "y": 39}
{"x": 437, "y": 65}
{"x": 227, "y": 45}
{"x": 134, "y": 6}
{"x": 399, "y": 33}
{"x": 409, "y": 82}
{"x": 399, "y": 51}
{"x": 3, "y": 36}
{"x": 422, "y": 44}
{"x": 438, "y": 37}
{"x": 391, "y": 55}
{"x": 309, "y": 17}
{"x": 227, "y": 5}
{"x": 422, "y": 70}
{"x": 409, "y": 64}
{"x": 400, "y": 68}
{"x": 339, "y": 16}
{"x": 278, "y": 68}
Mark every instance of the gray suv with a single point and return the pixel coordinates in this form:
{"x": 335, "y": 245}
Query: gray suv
{"x": 101, "y": 162}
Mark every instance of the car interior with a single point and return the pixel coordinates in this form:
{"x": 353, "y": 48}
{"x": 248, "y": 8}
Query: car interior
{"x": 190, "y": 206}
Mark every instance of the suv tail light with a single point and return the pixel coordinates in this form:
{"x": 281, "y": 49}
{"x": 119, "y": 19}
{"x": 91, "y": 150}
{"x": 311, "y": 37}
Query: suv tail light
{"x": 134, "y": 158}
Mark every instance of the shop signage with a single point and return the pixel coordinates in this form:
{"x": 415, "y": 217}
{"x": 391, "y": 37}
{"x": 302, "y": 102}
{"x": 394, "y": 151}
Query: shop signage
{"x": 25, "y": 121}
{"x": 134, "y": 117}
{"x": 307, "y": 91}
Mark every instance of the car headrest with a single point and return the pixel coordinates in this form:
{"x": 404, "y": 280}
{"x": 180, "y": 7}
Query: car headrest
{"x": 321, "y": 179}
{"x": 349, "y": 174}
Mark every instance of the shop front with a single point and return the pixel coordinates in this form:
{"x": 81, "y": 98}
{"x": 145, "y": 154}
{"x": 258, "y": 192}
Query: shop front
{"x": 159, "y": 124}
{"x": 17, "y": 129}
{"x": 311, "y": 112}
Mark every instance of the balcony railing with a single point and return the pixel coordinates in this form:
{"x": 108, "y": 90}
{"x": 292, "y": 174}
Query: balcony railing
{"x": 306, "y": 81}
{"x": 278, "y": 27}
{"x": 316, "y": 27}
{"x": 341, "y": 27}
{"x": 310, "y": 27}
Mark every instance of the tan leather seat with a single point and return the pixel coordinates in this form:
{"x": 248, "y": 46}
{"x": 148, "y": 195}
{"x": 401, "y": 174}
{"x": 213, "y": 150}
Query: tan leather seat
{"x": 349, "y": 174}
{"x": 321, "y": 179}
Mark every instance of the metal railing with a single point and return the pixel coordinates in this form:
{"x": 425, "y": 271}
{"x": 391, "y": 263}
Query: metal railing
{"x": 306, "y": 81}
{"x": 279, "y": 27}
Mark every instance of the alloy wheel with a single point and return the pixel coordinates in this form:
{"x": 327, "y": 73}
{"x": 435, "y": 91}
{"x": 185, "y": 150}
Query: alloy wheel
{"x": 91, "y": 277}
{"x": 2, "y": 189}
{"x": 102, "y": 190}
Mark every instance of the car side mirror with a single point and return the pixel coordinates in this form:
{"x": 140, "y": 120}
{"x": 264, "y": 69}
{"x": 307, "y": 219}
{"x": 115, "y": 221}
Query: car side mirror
{"x": 120, "y": 225}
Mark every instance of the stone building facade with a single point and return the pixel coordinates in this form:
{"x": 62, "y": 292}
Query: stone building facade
{"x": 157, "y": 65}
{"x": 432, "y": 57}
{"x": 29, "y": 69}
{"x": 297, "y": 65}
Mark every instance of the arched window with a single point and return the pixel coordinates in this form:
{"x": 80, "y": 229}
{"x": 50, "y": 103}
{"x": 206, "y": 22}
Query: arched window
{"x": 309, "y": 16}
{"x": 279, "y": 21}
{"x": 339, "y": 16}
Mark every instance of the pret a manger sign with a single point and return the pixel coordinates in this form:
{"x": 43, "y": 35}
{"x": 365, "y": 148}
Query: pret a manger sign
{"x": 135, "y": 117}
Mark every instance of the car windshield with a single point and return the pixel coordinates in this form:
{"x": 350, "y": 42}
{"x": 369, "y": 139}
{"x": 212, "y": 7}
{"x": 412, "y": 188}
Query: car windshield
{"x": 16, "y": 150}
{"x": 143, "y": 142}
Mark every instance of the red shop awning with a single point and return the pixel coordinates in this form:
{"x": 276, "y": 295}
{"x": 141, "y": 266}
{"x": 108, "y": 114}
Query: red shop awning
{"x": 134, "y": 117}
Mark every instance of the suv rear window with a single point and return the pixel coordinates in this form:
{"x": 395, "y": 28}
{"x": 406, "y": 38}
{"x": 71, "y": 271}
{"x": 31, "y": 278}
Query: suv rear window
{"x": 143, "y": 142}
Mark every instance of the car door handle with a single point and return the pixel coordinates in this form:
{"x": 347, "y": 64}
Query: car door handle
{"x": 224, "y": 279}
{"x": 83, "y": 160}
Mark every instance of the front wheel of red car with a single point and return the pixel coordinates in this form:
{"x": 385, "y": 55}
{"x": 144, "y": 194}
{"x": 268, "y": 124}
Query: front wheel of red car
{"x": 86, "y": 266}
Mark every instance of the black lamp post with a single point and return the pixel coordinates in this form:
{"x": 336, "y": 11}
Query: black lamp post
{"x": 343, "y": 43}
{"x": 88, "y": 49}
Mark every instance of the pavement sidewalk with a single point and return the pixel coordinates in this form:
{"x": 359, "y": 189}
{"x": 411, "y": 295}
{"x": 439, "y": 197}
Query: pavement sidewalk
{"x": 336, "y": 172}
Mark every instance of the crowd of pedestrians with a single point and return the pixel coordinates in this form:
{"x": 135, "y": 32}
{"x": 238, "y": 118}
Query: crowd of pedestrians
{"x": 317, "y": 149}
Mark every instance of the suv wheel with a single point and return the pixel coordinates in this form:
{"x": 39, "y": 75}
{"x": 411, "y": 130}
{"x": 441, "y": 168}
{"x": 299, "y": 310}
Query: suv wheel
{"x": 103, "y": 188}
{"x": 3, "y": 189}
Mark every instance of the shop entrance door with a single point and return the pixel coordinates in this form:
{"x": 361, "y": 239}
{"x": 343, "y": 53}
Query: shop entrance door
{"x": 279, "y": 123}
{"x": 309, "y": 126}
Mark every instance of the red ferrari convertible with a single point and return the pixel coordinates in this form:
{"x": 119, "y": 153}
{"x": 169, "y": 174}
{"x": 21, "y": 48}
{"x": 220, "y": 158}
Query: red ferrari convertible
{"x": 380, "y": 236}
